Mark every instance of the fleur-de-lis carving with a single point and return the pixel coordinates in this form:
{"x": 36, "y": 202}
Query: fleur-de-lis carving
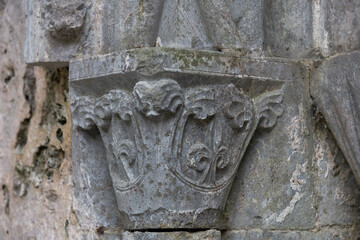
{"x": 206, "y": 161}
{"x": 125, "y": 156}
{"x": 126, "y": 152}
{"x": 222, "y": 157}
{"x": 199, "y": 157}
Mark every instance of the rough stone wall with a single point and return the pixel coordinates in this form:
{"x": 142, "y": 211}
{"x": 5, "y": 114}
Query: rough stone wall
{"x": 35, "y": 147}
{"x": 304, "y": 190}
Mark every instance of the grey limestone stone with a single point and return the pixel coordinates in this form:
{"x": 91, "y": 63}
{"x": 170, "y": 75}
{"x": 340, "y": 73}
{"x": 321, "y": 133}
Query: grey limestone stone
{"x": 341, "y": 31}
{"x": 248, "y": 17}
{"x": 311, "y": 29}
{"x": 274, "y": 186}
{"x": 169, "y": 61}
{"x": 338, "y": 191}
{"x": 58, "y": 31}
{"x": 65, "y": 30}
{"x": 64, "y": 20}
{"x": 94, "y": 203}
{"x": 173, "y": 138}
{"x": 212, "y": 24}
{"x": 177, "y": 127}
{"x": 335, "y": 87}
{"x": 2, "y": 5}
{"x": 288, "y": 28}
{"x": 200, "y": 235}
{"x": 130, "y": 24}
{"x": 326, "y": 234}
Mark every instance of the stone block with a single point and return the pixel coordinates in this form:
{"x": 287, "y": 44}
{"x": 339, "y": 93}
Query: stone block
{"x": 351, "y": 233}
{"x": 94, "y": 199}
{"x": 200, "y": 235}
{"x": 288, "y": 28}
{"x": 130, "y": 24}
{"x": 57, "y": 31}
{"x": 275, "y": 182}
{"x": 337, "y": 189}
{"x": 248, "y": 16}
{"x": 341, "y": 29}
{"x": 334, "y": 87}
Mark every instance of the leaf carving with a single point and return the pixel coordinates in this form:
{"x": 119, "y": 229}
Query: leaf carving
{"x": 89, "y": 112}
{"x": 200, "y": 102}
{"x": 120, "y": 103}
{"x": 152, "y": 97}
{"x": 125, "y": 155}
{"x": 126, "y": 152}
{"x": 198, "y": 157}
{"x": 269, "y": 108}
{"x": 83, "y": 113}
{"x": 102, "y": 112}
{"x": 239, "y": 110}
{"x": 209, "y": 151}
{"x": 222, "y": 157}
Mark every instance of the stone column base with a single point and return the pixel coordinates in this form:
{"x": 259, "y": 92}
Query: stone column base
{"x": 201, "y": 235}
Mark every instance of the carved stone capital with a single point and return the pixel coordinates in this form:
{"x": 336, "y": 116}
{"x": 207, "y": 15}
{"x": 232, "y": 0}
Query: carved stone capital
{"x": 163, "y": 130}
{"x": 173, "y": 152}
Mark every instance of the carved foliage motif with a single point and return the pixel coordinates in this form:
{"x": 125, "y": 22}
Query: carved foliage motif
{"x": 200, "y": 134}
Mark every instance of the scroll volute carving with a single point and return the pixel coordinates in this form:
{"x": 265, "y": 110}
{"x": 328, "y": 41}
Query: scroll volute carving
{"x": 190, "y": 139}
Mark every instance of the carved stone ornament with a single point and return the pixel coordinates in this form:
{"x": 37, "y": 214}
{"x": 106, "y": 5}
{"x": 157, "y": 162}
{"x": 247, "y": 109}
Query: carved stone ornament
{"x": 173, "y": 152}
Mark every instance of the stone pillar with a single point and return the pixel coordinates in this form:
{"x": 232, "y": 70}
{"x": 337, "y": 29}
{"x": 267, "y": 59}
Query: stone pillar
{"x": 166, "y": 99}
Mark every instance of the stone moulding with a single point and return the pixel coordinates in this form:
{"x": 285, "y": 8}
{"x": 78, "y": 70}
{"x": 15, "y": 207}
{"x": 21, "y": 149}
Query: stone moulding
{"x": 151, "y": 61}
{"x": 173, "y": 141}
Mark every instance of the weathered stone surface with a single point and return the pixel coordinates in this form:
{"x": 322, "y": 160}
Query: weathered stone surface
{"x": 169, "y": 61}
{"x": 313, "y": 195}
{"x": 351, "y": 233}
{"x": 95, "y": 203}
{"x": 293, "y": 29}
{"x": 288, "y": 28}
{"x": 133, "y": 24}
{"x": 35, "y": 151}
{"x": 335, "y": 87}
{"x": 61, "y": 30}
{"x": 152, "y": 151}
{"x": 64, "y": 30}
{"x": 275, "y": 181}
{"x": 64, "y": 20}
{"x": 338, "y": 191}
{"x": 248, "y": 17}
{"x": 310, "y": 29}
{"x": 201, "y": 235}
{"x": 2, "y": 5}
{"x": 341, "y": 31}
{"x": 26, "y": 126}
